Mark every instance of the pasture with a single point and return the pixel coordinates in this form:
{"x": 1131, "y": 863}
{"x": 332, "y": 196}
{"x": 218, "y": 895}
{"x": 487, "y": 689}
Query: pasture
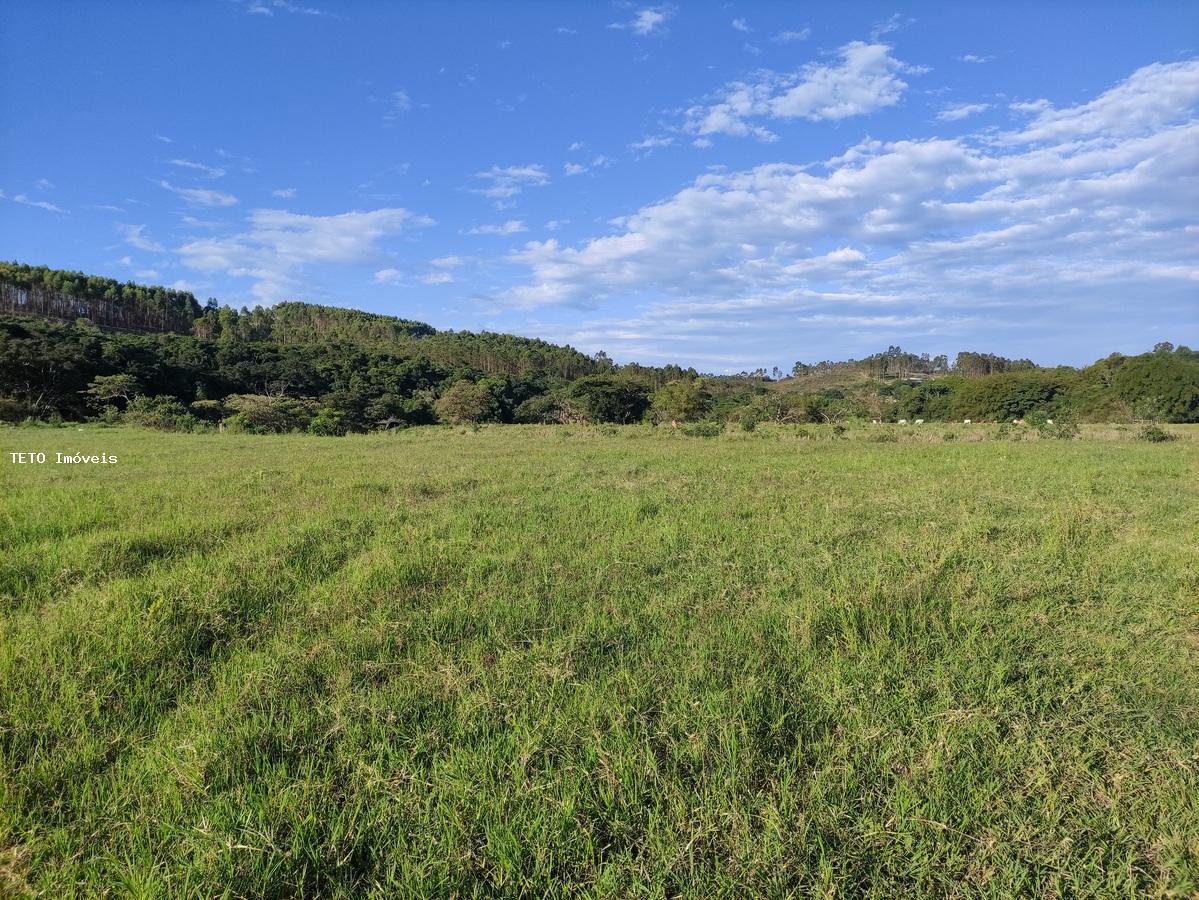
{"x": 619, "y": 662}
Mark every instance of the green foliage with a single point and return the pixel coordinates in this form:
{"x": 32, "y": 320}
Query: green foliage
{"x": 703, "y": 429}
{"x": 550, "y": 409}
{"x": 607, "y": 398}
{"x": 1011, "y": 396}
{"x": 258, "y": 414}
{"x": 467, "y": 403}
{"x": 113, "y": 387}
{"x": 161, "y": 413}
{"x": 38, "y": 290}
{"x": 1059, "y": 429}
{"x": 685, "y": 400}
{"x": 328, "y": 423}
{"x": 1155, "y": 434}
{"x": 1166, "y": 385}
{"x": 14, "y": 410}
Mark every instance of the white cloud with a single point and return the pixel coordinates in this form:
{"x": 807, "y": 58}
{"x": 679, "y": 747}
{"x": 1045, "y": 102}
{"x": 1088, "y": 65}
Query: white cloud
{"x": 163, "y": 138}
{"x": 210, "y": 171}
{"x": 284, "y": 193}
{"x": 866, "y": 79}
{"x": 792, "y": 37}
{"x": 741, "y": 25}
{"x": 44, "y": 184}
{"x": 147, "y": 274}
{"x": 652, "y": 143}
{"x": 647, "y": 21}
{"x": 934, "y": 236}
{"x": 438, "y": 278}
{"x": 447, "y": 262}
{"x": 278, "y": 245}
{"x": 388, "y": 276}
{"x": 576, "y": 146}
{"x": 269, "y": 7}
{"x": 1147, "y": 99}
{"x": 502, "y": 183}
{"x": 957, "y": 111}
{"x": 973, "y": 58}
{"x": 25, "y": 200}
{"x": 512, "y": 226}
{"x": 135, "y": 236}
{"x": 398, "y": 103}
{"x": 573, "y": 169}
{"x": 199, "y": 196}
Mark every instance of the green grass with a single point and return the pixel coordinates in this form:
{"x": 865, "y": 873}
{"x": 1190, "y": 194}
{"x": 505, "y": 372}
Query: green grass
{"x": 559, "y": 662}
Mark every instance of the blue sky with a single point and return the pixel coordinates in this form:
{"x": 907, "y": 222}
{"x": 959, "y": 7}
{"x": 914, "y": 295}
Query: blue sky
{"x": 726, "y": 185}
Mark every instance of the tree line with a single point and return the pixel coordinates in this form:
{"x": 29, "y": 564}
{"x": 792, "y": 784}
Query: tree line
{"x": 299, "y": 366}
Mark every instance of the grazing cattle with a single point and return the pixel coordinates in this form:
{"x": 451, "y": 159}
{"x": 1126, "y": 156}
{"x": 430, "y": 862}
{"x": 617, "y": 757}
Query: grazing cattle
{"x": 919, "y": 421}
{"x": 903, "y": 421}
{"x": 965, "y": 421}
{"x": 1049, "y": 421}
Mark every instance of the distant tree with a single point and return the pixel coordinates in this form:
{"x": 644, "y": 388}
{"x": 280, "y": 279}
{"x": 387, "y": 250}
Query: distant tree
{"x": 607, "y": 398}
{"x": 1163, "y": 347}
{"x": 466, "y": 403}
{"x": 685, "y": 400}
{"x": 104, "y": 388}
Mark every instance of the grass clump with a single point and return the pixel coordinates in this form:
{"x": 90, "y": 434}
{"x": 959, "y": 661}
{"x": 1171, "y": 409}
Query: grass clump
{"x": 1155, "y": 434}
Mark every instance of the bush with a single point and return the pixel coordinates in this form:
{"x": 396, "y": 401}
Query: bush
{"x": 749, "y": 423}
{"x": 883, "y": 437}
{"x": 683, "y": 400}
{"x": 208, "y": 410}
{"x": 1155, "y": 434}
{"x": 467, "y": 403}
{"x": 14, "y": 410}
{"x": 703, "y": 429}
{"x": 162, "y": 413}
{"x": 605, "y": 398}
{"x": 258, "y": 414}
{"x": 550, "y": 409}
{"x": 949, "y": 436}
{"x": 839, "y": 430}
{"x": 329, "y": 423}
{"x": 1062, "y": 431}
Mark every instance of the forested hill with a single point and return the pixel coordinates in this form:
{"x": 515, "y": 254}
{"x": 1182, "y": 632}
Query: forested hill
{"x": 159, "y": 358}
{"x": 65, "y": 295}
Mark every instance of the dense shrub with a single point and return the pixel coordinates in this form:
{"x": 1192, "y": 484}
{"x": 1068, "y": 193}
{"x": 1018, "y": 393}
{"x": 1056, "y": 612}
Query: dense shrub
{"x": 1013, "y": 395}
{"x": 14, "y": 410}
{"x": 328, "y": 422}
{"x": 605, "y": 398}
{"x": 1155, "y": 434}
{"x": 258, "y": 414}
{"x": 467, "y": 403}
{"x": 703, "y": 429}
{"x": 1161, "y": 385}
{"x": 684, "y": 400}
{"x": 163, "y": 413}
{"x": 1059, "y": 430}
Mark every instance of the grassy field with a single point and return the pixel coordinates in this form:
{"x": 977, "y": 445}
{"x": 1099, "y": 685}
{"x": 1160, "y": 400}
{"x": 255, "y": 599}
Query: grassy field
{"x": 623, "y": 663}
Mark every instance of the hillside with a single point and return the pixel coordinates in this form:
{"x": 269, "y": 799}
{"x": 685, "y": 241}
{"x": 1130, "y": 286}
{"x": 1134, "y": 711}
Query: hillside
{"x": 81, "y": 347}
